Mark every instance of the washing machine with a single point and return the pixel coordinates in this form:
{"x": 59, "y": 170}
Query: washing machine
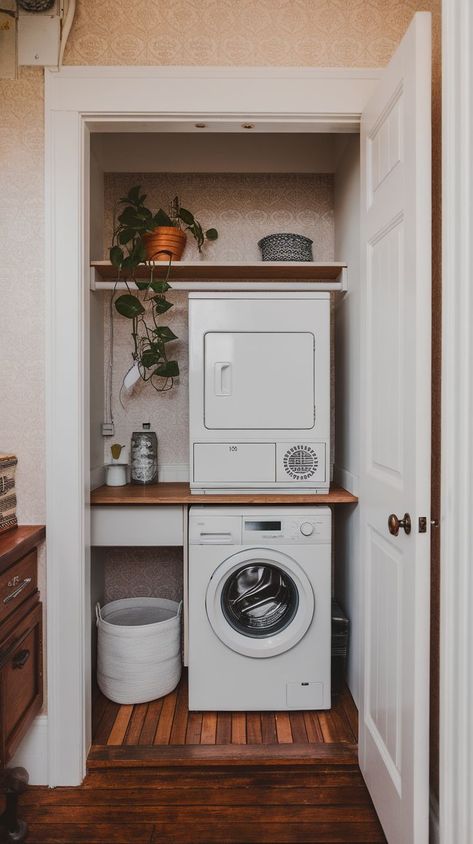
{"x": 259, "y": 591}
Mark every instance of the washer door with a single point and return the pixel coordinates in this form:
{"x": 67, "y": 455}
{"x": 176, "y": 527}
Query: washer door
{"x": 259, "y": 602}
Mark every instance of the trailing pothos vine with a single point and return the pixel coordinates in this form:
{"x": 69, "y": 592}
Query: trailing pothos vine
{"x": 128, "y": 251}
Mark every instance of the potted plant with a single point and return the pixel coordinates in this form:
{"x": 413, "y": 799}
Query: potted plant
{"x": 155, "y": 236}
{"x": 143, "y": 237}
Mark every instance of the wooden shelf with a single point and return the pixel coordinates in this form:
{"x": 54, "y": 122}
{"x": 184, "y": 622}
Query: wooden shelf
{"x": 179, "y": 493}
{"x": 260, "y": 275}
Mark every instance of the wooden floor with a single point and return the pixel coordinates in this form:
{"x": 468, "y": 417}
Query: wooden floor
{"x": 158, "y": 774}
{"x": 322, "y": 803}
{"x": 168, "y": 722}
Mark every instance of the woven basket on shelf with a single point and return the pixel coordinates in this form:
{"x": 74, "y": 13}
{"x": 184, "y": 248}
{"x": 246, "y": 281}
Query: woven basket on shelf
{"x": 286, "y": 246}
{"x": 7, "y": 492}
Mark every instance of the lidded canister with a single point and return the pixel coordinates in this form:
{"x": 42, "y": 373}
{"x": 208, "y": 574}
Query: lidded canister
{"x": 144, "y": 456}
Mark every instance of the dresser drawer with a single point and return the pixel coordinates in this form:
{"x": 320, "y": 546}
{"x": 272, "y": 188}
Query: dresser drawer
{"x": 17, "y": 583}
{"x": 21, "y": 682}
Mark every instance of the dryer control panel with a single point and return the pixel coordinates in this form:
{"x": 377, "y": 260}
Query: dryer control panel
{"x": 257, "y": 526}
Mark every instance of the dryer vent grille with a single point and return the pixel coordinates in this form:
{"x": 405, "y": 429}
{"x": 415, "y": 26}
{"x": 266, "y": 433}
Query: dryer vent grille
{"x": 301, "y": 462}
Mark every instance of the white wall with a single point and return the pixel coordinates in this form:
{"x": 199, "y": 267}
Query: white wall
{"x": 348, "y": 326}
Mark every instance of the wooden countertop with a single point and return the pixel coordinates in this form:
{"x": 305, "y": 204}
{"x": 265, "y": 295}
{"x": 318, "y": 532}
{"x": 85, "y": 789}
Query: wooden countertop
{"x": 179, "y": 493}
{"x": 15, "y": 543}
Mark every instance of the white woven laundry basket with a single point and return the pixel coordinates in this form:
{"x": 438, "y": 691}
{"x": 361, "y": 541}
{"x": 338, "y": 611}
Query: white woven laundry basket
{"x": 139, "y": 648}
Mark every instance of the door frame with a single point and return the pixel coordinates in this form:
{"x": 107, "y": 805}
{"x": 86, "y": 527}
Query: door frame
{"x": 79, "y": 100}
{"x": 456, "y": 583}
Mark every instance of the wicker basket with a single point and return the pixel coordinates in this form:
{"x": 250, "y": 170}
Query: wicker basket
{"x": 7, "y": 492}
{"x": 139, "y": 649}
{"x": 286, "y": 247}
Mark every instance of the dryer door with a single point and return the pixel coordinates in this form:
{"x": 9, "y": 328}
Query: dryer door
{"x": 260, "y": 602}
{"x": 259, "y": 380}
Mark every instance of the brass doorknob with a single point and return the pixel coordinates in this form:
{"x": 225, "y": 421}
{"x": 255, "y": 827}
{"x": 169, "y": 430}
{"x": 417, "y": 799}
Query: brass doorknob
{"x": 394, "y": 524}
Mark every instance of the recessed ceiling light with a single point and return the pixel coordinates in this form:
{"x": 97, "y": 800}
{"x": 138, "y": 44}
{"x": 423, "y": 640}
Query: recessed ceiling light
{"x": 247, "y": 125}
{"x": 200, "y": 125}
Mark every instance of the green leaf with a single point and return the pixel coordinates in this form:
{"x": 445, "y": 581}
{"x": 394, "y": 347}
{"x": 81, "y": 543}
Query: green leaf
{"x": 161, "y": 305}
{"x": 186, "y": 217}
{"x": 134, "y": 194}
{"x": 129, "y": 306}
{"x": 116, "y": 256}
{"x": 162, "y": 219}
{"x": 142, "y": 285}
{"x": 165, "y": 333}
{"x": 150, "y": 358}
{"x": 129, "y": 263}
{"x": 211, "y": 234}
{"x": 170, "y": 369}
{"x": 126, "y": 235}
{"x": 159, "y": 286}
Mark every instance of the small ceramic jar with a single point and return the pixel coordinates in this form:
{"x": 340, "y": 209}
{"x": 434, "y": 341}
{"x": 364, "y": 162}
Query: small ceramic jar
{"x": 116, "y": 474}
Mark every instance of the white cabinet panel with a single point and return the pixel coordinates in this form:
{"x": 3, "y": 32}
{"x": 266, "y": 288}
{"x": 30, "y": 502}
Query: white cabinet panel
{"x": 136, "y": 525}
{"x": 259, "y": 380}
{"x": 232, "y": 462}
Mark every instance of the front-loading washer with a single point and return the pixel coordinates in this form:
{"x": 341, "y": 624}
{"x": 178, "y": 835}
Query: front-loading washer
{"x": 259, "y": 592}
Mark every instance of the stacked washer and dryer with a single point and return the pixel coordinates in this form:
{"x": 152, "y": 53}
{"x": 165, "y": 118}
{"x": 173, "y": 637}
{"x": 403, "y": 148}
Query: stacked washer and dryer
{"x": 259, "y": 584}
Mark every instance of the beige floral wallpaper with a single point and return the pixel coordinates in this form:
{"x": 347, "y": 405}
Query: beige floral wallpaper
{"x": 239, "y": 32}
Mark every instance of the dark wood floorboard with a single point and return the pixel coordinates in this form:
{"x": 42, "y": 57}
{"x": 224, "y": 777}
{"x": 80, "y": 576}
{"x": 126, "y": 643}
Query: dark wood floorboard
{"x": 235, "y": 806}
{"x": 161, "y": 775}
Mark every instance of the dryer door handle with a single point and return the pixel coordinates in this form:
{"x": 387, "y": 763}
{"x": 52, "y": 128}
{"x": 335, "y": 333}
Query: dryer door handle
{"x": 223, "y": 378}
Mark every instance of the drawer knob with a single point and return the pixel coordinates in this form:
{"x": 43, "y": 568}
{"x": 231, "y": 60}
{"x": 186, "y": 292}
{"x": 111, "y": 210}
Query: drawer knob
{"x": 17, "y": 591}
{"x": 21, "y": 658}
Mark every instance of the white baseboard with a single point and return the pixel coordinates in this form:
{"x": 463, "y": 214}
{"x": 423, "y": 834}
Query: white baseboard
{"x": 173, "y": 472}
{"x": 32, "y": 753}
{"x": 346, "y": 479}
{"x": 434, "y": 829}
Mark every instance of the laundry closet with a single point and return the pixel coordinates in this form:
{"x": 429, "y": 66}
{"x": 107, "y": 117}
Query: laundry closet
{"x": 278, "y": 421}
{"x": 355, "y": 193}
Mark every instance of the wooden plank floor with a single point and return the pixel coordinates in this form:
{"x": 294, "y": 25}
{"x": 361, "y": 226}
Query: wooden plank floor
{"x": 159, "y": 773}
{"x": 201, "y": 806}
{"x": 168, "y": 722}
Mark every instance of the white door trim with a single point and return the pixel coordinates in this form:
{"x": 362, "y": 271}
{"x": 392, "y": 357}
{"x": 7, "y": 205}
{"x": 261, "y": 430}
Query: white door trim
{"x": 456, "y": 599}
{"x": 77, "y": 100}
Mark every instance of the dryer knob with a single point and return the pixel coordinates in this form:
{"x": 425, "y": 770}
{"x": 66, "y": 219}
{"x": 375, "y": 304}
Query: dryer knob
{"x": 307, "y": 529}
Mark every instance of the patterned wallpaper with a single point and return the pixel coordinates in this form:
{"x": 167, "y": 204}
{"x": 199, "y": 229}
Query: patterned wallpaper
{"x": 243, "y": 207}
{"x": 240, "y": 32}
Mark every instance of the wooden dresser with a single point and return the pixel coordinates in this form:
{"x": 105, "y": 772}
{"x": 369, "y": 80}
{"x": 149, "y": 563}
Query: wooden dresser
{"x": 21, "y": 640}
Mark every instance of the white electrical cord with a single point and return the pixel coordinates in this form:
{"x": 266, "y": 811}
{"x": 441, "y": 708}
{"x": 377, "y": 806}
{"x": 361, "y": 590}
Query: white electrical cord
{"x": 109, "y": 379}
{"x": 66, "y": 27}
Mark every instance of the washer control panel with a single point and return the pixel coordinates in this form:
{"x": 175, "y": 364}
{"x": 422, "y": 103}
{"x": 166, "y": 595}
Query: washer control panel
{"x": 259, "y": 526}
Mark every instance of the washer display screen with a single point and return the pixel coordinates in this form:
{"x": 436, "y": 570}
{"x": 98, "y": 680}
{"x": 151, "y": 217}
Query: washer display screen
{"x": 259, "y": 599}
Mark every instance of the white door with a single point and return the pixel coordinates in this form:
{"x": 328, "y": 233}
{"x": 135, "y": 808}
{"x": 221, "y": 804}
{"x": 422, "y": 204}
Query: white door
{"x": 259, "y": 380}
{"x": 396, "y": 419}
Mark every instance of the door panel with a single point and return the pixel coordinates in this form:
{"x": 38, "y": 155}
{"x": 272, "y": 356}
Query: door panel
{"x": 396, "y": 419}
{"x": 259, "y": 380}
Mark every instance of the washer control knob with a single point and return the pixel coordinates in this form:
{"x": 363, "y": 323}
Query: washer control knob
{"x": 307, "y": 529}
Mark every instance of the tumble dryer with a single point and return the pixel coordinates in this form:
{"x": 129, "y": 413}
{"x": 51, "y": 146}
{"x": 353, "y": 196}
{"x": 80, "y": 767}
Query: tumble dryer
{"x": 259, "y": 392}
{"x": 259, "y": 608}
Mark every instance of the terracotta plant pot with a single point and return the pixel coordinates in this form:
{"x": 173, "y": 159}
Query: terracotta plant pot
{"x": 163, "y": 242}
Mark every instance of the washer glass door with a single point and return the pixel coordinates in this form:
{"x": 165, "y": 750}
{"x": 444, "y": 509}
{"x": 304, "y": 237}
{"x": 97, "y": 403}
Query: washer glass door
{"x": 260, "y": 602}
{"x": 259, "y": 599}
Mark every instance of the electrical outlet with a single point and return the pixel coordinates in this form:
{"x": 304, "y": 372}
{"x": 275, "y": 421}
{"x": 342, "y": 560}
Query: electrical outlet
{"x": 108, "y": 429}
